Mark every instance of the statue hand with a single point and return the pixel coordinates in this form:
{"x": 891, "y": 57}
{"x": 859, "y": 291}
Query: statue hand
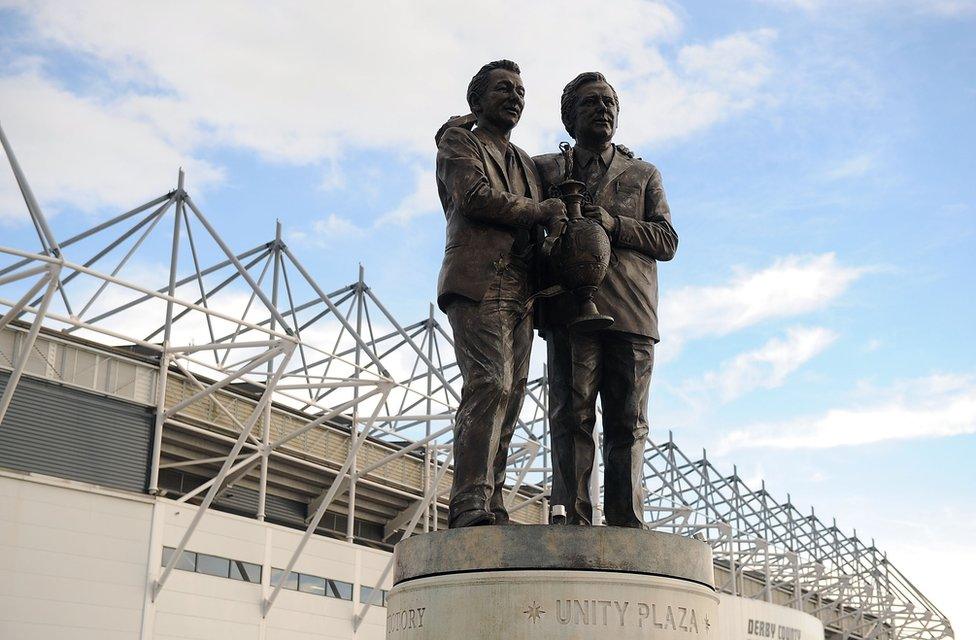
{"x": 555, "y": 226}
{"x": 598, "y": 213}
{"x": 552, "y": 208}
{"x": 553, "y": 213}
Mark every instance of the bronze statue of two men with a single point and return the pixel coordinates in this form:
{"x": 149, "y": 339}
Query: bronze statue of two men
{"x": 499, "y": 215}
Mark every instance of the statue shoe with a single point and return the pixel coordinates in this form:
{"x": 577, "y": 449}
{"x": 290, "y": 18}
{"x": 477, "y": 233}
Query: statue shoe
{"x": 501, "y": 517}
{"x": 472, "y": 518}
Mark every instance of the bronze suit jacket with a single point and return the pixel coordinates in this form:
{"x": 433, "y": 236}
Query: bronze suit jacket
{"x": 631, "y": 190}
{"x": 483, "y": 217}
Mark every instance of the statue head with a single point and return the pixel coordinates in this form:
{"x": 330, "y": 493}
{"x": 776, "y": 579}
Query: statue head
{"x": 496, "y": 95}
{"x": 589, "y": 109}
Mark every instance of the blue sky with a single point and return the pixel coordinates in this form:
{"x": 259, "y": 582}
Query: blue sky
{"x": 818, "y": 157}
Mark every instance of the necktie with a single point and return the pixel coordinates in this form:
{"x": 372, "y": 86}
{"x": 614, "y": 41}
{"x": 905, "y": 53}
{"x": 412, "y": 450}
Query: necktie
{"x": 517, "y": 182}
{"x": 514, "y": 173}
{"x": 592, "y": 173}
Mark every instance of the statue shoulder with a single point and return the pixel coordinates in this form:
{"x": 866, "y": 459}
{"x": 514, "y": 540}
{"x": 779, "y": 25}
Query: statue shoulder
{"x": 454, "y": 139}
{"x": 624, "y": 150}
{"x": 546, "y": 157}
{"x": 642, "y": 165}
{"x": 457, "y": 133}
{"x": 547, "y": 161}
{"x": 630, "y": 154}
{"x": 549, "y": 165}
{"x": 455, "y": 122}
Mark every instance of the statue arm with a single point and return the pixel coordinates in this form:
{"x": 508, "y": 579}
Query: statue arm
{"x": 461, "y": 170}
{"x": 653, "y": 235}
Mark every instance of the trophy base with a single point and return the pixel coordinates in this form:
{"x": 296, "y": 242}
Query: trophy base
{"x": 590, "y": 323}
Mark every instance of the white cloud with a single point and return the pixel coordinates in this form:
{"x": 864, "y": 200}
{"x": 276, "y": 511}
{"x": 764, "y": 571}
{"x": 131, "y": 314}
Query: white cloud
{"x": 804, "y": 5}
{"x": 873, "y": 345}
{"x": 333, "y": 177}
{"x": 421, "y": 201}
{"x": 942, "y": 8}
{"x": 86, "y": 152}
{"x": 302, "y": 83}
{"x": 766, "y": 367}
{"x": 932, "y": 407}
{"x": 736, "y": 63}
{"x": 949, "y": 8}
{"x": 791, "y": 286}
{"x": 336, "y": 226}
{"x": 299, "y": 81}
{"x": 853, "y": 167}
{"x": 756, "y": 477}
{"x": 939, "y": 564}
{"x": 709, "y": 84}
{"x": 326, "y": 231}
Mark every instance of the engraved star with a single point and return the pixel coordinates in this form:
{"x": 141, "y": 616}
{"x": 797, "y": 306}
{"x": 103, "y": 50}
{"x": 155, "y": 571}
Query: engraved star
{"x": 535, "y": 612}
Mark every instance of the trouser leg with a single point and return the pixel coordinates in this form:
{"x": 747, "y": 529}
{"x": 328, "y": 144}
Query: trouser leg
{"x": 561, "y": 419}
{"x": 481, "y": 356}
{"x": 627, "y": 366}
{"x": 521, "y": 340}
{"x": 577, "y": 432}
{"x": 492, "y": 340}
{"x": 586, "y": 382}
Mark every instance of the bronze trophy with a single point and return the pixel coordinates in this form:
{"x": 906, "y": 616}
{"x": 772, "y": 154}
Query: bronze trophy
{"x": 580, "y": 253}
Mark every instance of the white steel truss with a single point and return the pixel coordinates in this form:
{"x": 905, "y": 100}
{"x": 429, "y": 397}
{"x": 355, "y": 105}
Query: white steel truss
{"x": 257, "y": 318}
{"x": 771, "y": 551}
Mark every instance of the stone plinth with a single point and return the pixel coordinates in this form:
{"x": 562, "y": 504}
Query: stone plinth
{"x": 552, "y": 582}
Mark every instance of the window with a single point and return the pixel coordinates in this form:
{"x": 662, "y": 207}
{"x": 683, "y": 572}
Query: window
{"x": 106, "y": 371}
{"x": 37, "y": 363}
{"x": 339, "y": 589}
{"x": 7, "y": 339}
{"x": 215, "y": 566}
{"x": 366, "y": 595}
{"x": 86, "y": 367}
{"x": 245, "y": 571}
{"x": 290, "y": 583}
{"x": 311, "y": 584}
{"x": 316, "y": 585}
{"x": 187, "y": 561}
{"x": 124, "y": 381}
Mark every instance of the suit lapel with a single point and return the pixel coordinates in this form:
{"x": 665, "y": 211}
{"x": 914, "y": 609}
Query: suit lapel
{"x": 495, "y": 156}
{"x": 618, "y": 165}
{"x": 531, "y": 175}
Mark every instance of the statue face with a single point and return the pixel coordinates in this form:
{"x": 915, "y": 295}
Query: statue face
{"x": 500, "y": 106}
{"x": 596, "y": 113}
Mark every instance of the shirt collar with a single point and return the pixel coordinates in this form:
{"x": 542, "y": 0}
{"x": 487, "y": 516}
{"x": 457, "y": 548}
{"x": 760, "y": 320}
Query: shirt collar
{"x": 585, "y": 157}
{"x": 501, "y": 145}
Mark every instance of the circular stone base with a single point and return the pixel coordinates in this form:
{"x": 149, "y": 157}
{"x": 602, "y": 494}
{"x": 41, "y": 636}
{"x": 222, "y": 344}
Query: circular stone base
{"x": 539, "y": 582}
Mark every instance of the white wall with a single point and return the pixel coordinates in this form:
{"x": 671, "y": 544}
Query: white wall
{"x": 72, "y": 562}
{"x": 748, "y": 619}
{"x": 76, "y": 563}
